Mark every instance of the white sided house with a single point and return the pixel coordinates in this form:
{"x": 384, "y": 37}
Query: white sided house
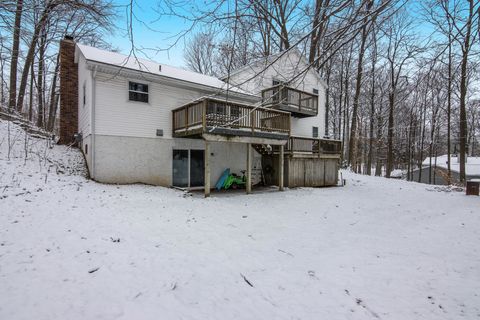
{"x": 138, "y": 121}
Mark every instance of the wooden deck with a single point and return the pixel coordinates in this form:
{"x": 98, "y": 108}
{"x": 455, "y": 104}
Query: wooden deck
{"x": 308, "y": 162}
{"x": 298, "y": 103}
{"x": 212, "y": 116}
{"x": 310, "y": 146}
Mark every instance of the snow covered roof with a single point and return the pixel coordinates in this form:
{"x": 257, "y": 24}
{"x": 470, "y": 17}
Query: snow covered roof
{"x": 264, "y": 61}
{"x": 152, "y": 67}
{"x": 472, "y": 167}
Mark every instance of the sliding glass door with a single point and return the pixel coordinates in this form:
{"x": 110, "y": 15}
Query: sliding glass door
{"x": 188, "y": 168}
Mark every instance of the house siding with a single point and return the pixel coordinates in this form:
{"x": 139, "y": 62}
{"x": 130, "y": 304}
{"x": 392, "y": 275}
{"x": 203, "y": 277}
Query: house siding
{"x": 116, "y": 115}
{"x": 121, "y": 159}
{"x": 127, "y": 149}
{"x": 84, "y": 111}
{"x": 123, "y": 146}
{"x": 255, "y": 79}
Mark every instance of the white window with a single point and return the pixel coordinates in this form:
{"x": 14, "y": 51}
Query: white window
{"x": 137, "y": 92}
{"x": 315, "y": 132}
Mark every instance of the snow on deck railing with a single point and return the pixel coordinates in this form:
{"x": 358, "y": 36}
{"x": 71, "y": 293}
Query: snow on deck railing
{"x": 213, "y": 113}
{"x": 295, "y": 100}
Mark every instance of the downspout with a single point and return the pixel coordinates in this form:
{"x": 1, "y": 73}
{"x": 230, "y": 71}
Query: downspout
{"x": 92, "y": 120}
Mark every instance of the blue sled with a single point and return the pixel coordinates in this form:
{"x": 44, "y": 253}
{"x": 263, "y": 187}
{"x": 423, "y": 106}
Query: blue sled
{"x": 222, "y": 179}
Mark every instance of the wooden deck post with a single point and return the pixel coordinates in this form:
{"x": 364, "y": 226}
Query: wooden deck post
{"x": 319, "y": 148}
{"x": 204, "y": 115}
{"x": 252, "y": 120}
{"x": 207, "y": 169}
{"x": 280, "y": 168}
{"x": 249, "y": 168}
{"x": 186, "y": 118}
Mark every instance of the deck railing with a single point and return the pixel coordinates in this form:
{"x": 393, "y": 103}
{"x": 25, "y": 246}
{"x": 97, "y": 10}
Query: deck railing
{"x": 209, "y": 114}
{"x": 312, "y": 145}
{"x": 290, "y": 99}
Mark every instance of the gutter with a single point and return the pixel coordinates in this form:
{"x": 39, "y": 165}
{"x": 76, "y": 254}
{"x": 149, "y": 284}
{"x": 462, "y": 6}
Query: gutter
{"x": 163, "y": 79}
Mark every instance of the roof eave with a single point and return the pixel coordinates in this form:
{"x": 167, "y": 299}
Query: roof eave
{"x": 148, "y": 76}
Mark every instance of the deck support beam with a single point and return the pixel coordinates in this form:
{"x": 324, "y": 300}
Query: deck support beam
{"x": 207, "y": 169}
{"x": 281, "y": 159}
{"x": 249, "y": 168}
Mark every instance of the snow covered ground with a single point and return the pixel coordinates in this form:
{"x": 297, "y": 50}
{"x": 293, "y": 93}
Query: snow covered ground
{"x": 71, "y": 248}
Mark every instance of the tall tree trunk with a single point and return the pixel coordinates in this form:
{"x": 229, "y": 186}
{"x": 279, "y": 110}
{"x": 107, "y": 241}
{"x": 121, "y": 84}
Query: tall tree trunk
{"x": 372, "y": 104}
{"x": 52, "y": 107}
{"x": 378, "y": 163}
{"x": 449, "y": 108}
{"x": 284, "y": 40}
{"x": 391, "y": 103}
{"x": 31, "y": 51}
{"x": 2, "y": 77}
{"x": 409, "y": 146}
{"x": 327, "y": 100}
{"x": 14, "y": 61}
{"x": 430, "y": 147}
{"x": 365, "y": 147}
{"x": 314, "y": 38}
{"x": 352, "y": 145}
{"x": 463, "y": 92}
{"x": 422, "y": 138}
{"x": 414, "y": 145}
{"x": 30, "y": 102}
{"x": 340, "y": 102}
{"x": 40, "y": 80}
{"x": 345, "y": 104}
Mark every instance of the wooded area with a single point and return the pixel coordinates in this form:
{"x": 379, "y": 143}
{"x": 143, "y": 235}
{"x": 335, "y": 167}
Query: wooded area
{"x": 402, "y": 75}
{"x": 29, "y": 57}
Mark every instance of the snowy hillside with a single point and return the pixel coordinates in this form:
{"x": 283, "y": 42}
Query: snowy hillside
{"x": 29, "y": 164}
{"x": 71, "y": 248}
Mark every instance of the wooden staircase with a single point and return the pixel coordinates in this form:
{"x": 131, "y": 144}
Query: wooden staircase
{"x": 263, "y": 149}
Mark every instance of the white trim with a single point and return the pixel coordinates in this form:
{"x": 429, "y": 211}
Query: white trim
{"x": 147, "y": 83}
{"x": 189, "y": 159}
{"x": 149, "y": 77}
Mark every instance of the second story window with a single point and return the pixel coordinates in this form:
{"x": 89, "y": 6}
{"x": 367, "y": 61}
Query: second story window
{"x": 137, "y": 92}
{"x": 315, "y": 91}
{"x": 315, "y": 132}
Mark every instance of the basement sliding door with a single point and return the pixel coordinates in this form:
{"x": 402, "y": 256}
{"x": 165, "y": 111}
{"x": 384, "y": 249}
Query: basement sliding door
{"x": 180, "y": 168}
{"x": 197, "y": 171}
{"x": 188, "y": 168}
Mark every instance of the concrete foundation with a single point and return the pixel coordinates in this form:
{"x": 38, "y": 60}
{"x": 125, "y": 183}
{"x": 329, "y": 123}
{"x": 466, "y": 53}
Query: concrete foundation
{"x": 149, "y": 160}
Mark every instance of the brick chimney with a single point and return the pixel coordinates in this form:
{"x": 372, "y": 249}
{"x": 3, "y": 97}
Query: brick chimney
{"x": 68, "y": 91}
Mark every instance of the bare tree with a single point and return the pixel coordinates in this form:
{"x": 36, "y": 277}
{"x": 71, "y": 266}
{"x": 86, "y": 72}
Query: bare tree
{"x": 401, "y": 48}
{"x": 361, "y": 52}
{"x": 199, "y": 53}
{"x": 464, "y": 37}
{"x": 14, "y": 60}
{"x": 96, "y": 10}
